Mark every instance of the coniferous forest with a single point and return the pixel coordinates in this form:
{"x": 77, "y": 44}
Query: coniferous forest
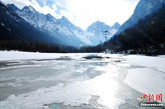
{"x": 29, "y": 46}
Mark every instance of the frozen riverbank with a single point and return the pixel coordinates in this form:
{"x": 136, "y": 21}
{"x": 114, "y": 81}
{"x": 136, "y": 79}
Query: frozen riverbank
{"x": 70, "y": 81}
{"x": 149, "y": 76}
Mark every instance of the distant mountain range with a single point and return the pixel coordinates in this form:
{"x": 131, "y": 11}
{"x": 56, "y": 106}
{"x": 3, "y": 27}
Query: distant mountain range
{"x": 63, "y": 30}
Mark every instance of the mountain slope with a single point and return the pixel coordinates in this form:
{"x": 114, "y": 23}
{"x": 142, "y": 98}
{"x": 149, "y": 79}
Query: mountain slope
{"x": 62, "y": 29}
{"x": 147, "y": 36}
{"x": 116, "y": 26}
{"x": 14, "y": 27}
{"x": 144, "y": 8}
{"x": 100, "y": 32}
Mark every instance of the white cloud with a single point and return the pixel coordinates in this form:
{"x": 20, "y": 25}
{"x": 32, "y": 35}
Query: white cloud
{"x": 108, "y": 11}
{"x": 84, "y": 12}
{"x": 54, "y": 7}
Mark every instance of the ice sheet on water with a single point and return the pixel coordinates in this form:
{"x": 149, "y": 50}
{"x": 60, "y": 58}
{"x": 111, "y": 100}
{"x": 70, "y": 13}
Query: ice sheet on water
{"x": 70, "y": 94}
{"x": 146, "y": 80}
{"x": 148, "y": 76}
{"x": 147, "y": 61}
{"x": 74, "y": 93}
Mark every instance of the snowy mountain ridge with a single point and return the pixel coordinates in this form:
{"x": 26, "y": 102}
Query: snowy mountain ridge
{"x": 63, "y": 29}
{"x": 102, "y": 32}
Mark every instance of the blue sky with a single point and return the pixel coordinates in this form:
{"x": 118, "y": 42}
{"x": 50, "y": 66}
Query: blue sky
{"x": 83, "y": 12}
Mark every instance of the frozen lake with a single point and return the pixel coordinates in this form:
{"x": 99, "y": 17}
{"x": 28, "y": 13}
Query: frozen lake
{"x": 78, "y": 81}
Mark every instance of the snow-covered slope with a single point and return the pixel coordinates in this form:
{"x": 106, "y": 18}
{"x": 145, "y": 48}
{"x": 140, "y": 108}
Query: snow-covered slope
{"x": 144, "y": 8}
{"x": 13, "y": 27}
{"x": 62, "y": 28}
{"x": 101, "y": 32}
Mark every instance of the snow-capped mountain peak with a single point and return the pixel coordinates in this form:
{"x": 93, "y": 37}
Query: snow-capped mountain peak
{"x": 101, "y": 32}
{"x": 62, "y": 29}
{"x": 65, "y": 31}
{"x": 12, "y": 6}
{"x": 64, "y": 19}
{"x": 116, "y": 26}
{"x": 98, "y": 26}
{"x": 32, "y": 9}
{"x": 28, "y": 9}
